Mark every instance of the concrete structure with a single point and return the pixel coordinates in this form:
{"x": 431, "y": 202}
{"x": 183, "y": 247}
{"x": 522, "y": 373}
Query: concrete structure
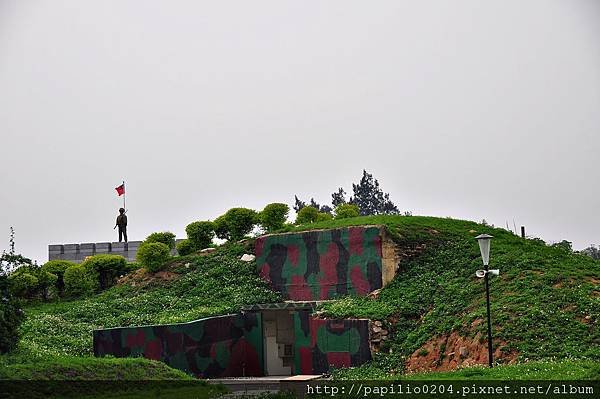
{"x": 326, "y": 264}
{"x": 78, "y": 252}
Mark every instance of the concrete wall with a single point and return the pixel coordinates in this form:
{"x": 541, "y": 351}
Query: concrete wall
{"x": 78, "y": 252}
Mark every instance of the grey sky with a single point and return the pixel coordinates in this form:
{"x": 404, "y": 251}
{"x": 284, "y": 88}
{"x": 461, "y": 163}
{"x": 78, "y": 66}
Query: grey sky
{"x": 468, "y": 109}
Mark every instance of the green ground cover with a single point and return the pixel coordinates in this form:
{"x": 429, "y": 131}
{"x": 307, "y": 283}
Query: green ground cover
{"x": 535, "y": 370}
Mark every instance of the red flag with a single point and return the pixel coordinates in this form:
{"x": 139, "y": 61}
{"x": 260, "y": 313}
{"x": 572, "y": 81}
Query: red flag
{"x": 120, "y": 189}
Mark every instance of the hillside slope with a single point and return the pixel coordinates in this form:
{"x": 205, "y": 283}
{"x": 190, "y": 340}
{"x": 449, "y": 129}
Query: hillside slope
{"x": 201, "y": 286}
{"x": 545, "y": 304}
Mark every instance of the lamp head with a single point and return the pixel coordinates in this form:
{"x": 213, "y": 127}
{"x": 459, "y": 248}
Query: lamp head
{"x": 484, "y": 247}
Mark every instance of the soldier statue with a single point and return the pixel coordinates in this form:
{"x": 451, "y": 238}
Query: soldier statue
{"x": 122, "y": 224}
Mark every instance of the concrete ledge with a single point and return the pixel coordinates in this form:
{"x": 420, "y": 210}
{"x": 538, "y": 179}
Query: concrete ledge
{"x": 78, "y": 252}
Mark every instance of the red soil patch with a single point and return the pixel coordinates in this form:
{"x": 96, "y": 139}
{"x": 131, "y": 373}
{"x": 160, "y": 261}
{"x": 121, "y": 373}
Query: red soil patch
{"x": 593, "y": 280}
{"x": 142, "y": 277}
{"x": 454, "y": 351}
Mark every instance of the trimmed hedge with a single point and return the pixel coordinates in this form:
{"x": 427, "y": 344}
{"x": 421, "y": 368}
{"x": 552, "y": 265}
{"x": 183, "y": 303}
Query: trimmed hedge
{"x": 308, "y": 214}
{"x": 23, "y": 284}
{"x": 106, "y": 269}
{"x": 153, "y": 255}
{"x": 274, "y": 216}
{"x": 200, "y": 234}
{"x": 235, "y": 223}
{"x": 323, "y": 216}
{"x": 58, "y": 268}
{"x": 185, "y": 247}
{"x": 344, "y": 211}
{"x": 165, "y": 237}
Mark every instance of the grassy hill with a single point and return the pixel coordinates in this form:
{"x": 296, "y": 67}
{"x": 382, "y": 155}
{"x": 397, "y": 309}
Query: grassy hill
{"x": 545, "y": 304}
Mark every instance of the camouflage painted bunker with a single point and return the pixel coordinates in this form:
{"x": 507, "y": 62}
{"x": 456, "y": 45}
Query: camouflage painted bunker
{"x": 281, "y": 338}
{"x": 325, "y": 264}
{"x": 272, "y": 339}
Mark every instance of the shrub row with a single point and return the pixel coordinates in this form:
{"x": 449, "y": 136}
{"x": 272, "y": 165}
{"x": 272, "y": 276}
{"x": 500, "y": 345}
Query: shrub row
{"x": 310, "y": 214}
{"x": 62, "y": 278}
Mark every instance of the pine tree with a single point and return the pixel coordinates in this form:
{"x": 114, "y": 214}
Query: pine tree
{"x": 370, "y": 198}
{"x": 338, "y": 197}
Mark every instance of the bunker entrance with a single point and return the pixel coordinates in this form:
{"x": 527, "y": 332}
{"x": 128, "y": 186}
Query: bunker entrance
{"x": 278, "y": 334}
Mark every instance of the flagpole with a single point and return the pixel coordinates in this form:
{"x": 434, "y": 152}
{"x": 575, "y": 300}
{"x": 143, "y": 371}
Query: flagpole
{"x": 124, "y": 193}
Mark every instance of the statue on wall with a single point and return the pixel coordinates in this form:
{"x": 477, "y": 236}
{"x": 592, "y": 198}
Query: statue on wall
{"x": 122, "y": 224}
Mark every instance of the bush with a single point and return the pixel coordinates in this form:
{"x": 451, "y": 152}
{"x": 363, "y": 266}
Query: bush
{"x": 23, "y": 284}
{"x": 344, "y": 211}
{"x": 11, "y": 317}
{"x": 273, "y": 216}
{"x": 106, "y": 268}
{"x": 235, "y": 223}
{"x": 78, "y": 281}
{"x": 200, "y": 235}
{"x": 165, "y": 237}
{"x": 323, "y": 216}
{"x": 46, "y": 283}
{"x": 153, "y": 255}
{"x": 308, "y": 214}
{"x": 58, "y": 267}
{"x": 185, "y": 247}
{"x": 221, "y": 228}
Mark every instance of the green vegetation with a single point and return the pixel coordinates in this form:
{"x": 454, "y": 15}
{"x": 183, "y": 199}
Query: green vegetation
{"x": 323, "y": 216}
{"x": 153, "y": 255}
{"x": 105, "y": 269}
{"x": 308, "y": 214}
{"x": 214, "y": 284}
{"x": 235, "y": 224}
{"x": 58, "y": 268}
{"x": 200, "y": 235}
{"x": 11, "y": 317}
{"x": 165, "y": 237}
{"x": 23, "y": 284}
{"x": 345, "y": 211}
{"x": 89, "y": 368}
{"x": 185, "y": 247}
{"x": 274, "y": 216}
{"x": 78, "y": 282}
{"x": 545, "y": 303}
{"x": 112, "y": 378}
{"x": 533, "y": 371}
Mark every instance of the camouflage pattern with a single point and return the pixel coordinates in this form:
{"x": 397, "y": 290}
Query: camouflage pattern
{"x": 232, "y": 345}
{"x": 223, "y": 346}
{"x": 324, "y": 343}
{"x": 322, "y": 264}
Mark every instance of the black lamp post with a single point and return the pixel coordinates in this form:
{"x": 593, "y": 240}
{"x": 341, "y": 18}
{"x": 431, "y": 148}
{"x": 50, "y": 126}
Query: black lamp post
{"x": 484, "y": 247}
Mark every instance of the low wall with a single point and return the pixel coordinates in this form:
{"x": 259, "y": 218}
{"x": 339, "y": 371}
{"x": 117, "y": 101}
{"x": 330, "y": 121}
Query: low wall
{"x": 78, "y": 252}
{"x": 325, "y": 264}
{"x": 222, "y": 346}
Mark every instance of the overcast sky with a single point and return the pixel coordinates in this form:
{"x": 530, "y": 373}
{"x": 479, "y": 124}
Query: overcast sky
{"x": 468, "y": 109}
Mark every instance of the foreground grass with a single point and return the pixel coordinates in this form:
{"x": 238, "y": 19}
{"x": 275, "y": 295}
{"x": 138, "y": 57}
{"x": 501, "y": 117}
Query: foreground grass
{"x": 90, "y": 368}
{"x": 537, "y": 370}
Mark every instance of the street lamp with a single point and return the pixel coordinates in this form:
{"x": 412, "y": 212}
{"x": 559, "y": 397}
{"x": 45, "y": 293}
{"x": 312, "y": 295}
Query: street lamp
{"x": 484, "y": 247}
